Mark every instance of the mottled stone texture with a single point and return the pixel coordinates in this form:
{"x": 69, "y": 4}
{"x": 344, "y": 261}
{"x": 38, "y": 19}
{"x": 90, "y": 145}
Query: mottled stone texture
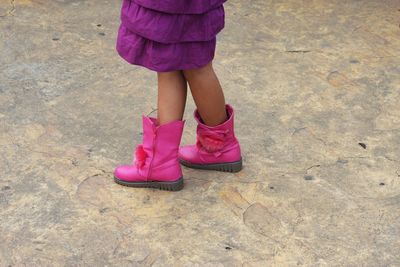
{"x": 316, "y": 86}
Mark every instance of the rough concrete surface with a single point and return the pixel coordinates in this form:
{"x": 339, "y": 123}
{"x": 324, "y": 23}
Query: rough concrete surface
{"x": 316, "y": 87}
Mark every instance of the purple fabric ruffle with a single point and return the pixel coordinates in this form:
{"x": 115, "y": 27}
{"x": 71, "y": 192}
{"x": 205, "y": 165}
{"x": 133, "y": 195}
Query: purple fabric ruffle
{"x": 167, "y": 35}
{"x": 172, "y": 28}
{"x": 163, "y": 57}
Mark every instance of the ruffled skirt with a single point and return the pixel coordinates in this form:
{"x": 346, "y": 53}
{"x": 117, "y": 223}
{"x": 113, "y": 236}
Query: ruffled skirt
{"x": 167, "y": 35}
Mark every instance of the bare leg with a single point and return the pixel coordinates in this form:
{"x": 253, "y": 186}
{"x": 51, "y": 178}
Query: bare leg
{"x": 172, "y": 91}
{"x": 207, "y": 94}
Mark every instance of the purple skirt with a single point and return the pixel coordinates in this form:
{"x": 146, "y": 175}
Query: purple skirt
{"x": 168, "y": 35}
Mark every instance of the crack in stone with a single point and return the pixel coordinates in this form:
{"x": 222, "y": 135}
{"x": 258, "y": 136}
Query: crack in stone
{"x": 152, "y": 111}
{"x": 150, "y": 259}
{"x": 317, "y": 138}
{"x": 91, "y": 176}
{"x": 11, "y": 11}
{"x": 374, "y": 158}
{"x": 298, "y": 51}
{"x": 310, "y": 131}
{"x": 258, "y": 231}
{"x": 296, "y": 130}
{"x": 390, "y": 159}
{"x": 356, "y": 157}
{"x": 313, "y": 166}
{"x": 48, "y": 154}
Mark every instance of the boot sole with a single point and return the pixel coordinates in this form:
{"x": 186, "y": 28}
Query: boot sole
{"x": 235, "y": 166}
{"x": 168, "y": 186}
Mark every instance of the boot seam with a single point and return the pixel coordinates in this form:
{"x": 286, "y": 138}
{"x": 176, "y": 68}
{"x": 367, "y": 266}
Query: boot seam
{"x": 153, "y": 155}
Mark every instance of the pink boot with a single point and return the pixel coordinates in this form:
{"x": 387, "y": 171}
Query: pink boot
{"x": 156, "y": 162}
{"x": 216, "y": 148}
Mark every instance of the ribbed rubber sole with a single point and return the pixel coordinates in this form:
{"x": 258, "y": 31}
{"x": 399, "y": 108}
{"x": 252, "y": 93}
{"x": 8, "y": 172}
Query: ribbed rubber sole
{"x": 168, "y": 186}
{"x": 235, "y": 166}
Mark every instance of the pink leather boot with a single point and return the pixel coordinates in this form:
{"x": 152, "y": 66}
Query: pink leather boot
{"x": 216, "y": 148}
{"x": 156, "y": 162}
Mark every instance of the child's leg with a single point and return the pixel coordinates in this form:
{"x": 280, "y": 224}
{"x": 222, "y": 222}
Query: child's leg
{"x": 172, "y": 91}
{"x": 207, "y": 94}
{"x": 216, "y": 146}
{"x": 156, "y": 164}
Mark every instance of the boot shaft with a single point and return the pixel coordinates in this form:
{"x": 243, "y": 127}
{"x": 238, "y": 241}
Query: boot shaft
{"x": 161, "y": 146}
{"x": 216, "y": 138}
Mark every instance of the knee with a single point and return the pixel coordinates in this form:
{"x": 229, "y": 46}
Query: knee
{"x": 170, "y": 76}
{"x": 193, "y": 73}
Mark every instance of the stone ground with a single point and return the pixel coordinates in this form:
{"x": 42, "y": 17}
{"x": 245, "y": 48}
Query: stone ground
{"x": 316, "y": 86}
